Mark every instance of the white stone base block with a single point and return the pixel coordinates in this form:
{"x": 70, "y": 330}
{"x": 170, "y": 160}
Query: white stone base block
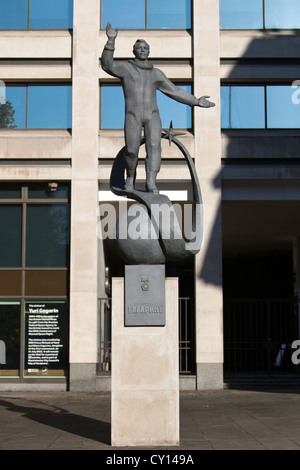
{"x": 145, "y": 375}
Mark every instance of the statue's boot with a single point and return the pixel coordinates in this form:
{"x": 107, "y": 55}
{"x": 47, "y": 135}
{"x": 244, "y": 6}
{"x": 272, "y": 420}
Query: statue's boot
{"x": 151, "y": 182}
{"x": 129, "y": 184}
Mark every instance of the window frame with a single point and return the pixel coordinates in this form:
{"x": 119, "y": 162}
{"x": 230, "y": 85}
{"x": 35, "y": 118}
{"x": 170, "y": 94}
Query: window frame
{"x": 28, "y": 28}
{"x": 265, "y": 85}
{"x": 264, "y": 28}
{"x": 145, "y": 28}
{"x": 24, "y": 298}
{"x": 26, "y": 85}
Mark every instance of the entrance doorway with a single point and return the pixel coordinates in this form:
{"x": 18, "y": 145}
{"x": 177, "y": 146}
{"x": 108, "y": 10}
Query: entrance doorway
{"x": 261, "y": 318}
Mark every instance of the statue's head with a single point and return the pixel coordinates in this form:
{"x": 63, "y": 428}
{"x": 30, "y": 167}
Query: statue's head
{"x": 141, "y": 49}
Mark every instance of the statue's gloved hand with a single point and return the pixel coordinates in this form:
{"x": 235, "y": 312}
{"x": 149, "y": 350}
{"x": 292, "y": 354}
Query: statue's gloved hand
{"x": 111, "y": 33}
{"x": 204, "y": 103}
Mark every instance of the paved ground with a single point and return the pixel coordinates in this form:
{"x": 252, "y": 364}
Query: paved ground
{"x": 227, "y": 419}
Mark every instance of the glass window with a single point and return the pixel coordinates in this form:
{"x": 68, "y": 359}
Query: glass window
{"x": 169, "y": 14}
{"x": 242, "y": 107}
{"x": 46, "y": 283}
{"x": 13, "y": 111}
{"x": 112, "y": 107}
{"x": 49, "y": 106}
{"x": 258, "y": 14}
{"x": 35, "y": 233}
{"x": 10, "y": 235}
{"x": 281, "y": 111}
{"x": 54, "y": 14}
{"x": 112, "y": 99}
{"x": 241, "y": 14}
{"x": 171, "y": 110}
{"x": 10, "y": 283}
{"x": 129, "y": 14}
{"x": 47, "y": 235}
{"x": 9, "y": 338}
{"x": 43, "y": 191}
{"x": 13, "y": 14}
{"x": 43, "y": 14}
{"x": 282, "y": 14}
{"x": 132, "y": 14}
{"x": 10, "y": 191}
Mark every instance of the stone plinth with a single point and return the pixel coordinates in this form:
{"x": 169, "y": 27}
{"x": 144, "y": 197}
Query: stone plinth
{"x": 145, "y": 375}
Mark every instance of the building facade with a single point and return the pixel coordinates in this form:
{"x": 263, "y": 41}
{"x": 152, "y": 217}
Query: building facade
{"x": 61, "y": 130}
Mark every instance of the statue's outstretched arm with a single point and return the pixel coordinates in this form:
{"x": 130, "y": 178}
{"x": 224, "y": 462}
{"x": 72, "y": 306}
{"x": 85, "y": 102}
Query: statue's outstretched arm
{"x": 178, "y": 94}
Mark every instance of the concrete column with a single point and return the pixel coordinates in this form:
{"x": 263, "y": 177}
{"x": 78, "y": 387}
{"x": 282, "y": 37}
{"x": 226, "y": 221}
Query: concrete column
{"x": 85, "y": 126}
{"x": 208, "y": 264}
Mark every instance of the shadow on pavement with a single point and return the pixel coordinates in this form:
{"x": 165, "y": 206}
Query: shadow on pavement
{"x": 59, "y": 418}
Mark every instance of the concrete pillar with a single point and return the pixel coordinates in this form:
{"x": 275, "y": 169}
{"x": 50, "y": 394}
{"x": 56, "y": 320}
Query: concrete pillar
{"x": 208, "y": 263}
{"x": 145, "y": 380}
{"x": 85, "y": 127}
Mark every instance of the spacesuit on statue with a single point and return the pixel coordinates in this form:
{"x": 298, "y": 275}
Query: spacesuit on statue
{"x": 140, "y": 80}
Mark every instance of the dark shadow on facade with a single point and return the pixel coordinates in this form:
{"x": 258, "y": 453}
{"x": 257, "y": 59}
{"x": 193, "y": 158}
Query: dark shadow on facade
{"x": 273, "y": 57}
{"x": 256, "y": 240}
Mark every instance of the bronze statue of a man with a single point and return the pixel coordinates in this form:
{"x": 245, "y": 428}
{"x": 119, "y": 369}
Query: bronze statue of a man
{"x": 140, "y": 80}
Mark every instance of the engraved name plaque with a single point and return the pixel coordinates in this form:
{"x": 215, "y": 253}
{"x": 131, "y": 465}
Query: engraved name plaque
{"x": 145, "y": 295}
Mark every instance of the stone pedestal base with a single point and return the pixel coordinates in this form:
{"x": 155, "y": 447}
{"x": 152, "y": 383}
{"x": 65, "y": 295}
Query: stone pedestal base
{"x": 145, "y": 375}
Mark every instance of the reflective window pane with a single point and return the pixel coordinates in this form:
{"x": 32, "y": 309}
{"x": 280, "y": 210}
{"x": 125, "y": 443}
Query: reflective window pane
{"x": 13, "y": 14}
{"x": 44, "y": 191}
{"x": 171, "y": 110}
{"x": 10, "y": 235}
{"x": 10, "y": 283}
{"x": 169, "y": 14}
{"x": 242, "y": 107}
{"x": 10, "y": 191}
{"x": 129, "y": 14}
{"x": 282, "y": 14}
{"x": 13, "y": 111}
{"x": 9, "y": 339}
{"x": 112, "y": 107}
{"x": 54, "y": 14}
{"x": 241, "y": 14}
{"x": 46, "y": 283}
{"x": 282, "y": 110}
{"x": 47, "y": 235}
{"x": 49, "y": 107}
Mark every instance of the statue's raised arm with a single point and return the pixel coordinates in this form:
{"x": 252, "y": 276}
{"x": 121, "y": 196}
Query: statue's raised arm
{"x": 107, "y": 59}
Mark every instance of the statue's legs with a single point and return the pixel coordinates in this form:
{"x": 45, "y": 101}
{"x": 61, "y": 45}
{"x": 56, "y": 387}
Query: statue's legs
{"x": 153, "y": 147}
{"x": 133, "y": 131}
